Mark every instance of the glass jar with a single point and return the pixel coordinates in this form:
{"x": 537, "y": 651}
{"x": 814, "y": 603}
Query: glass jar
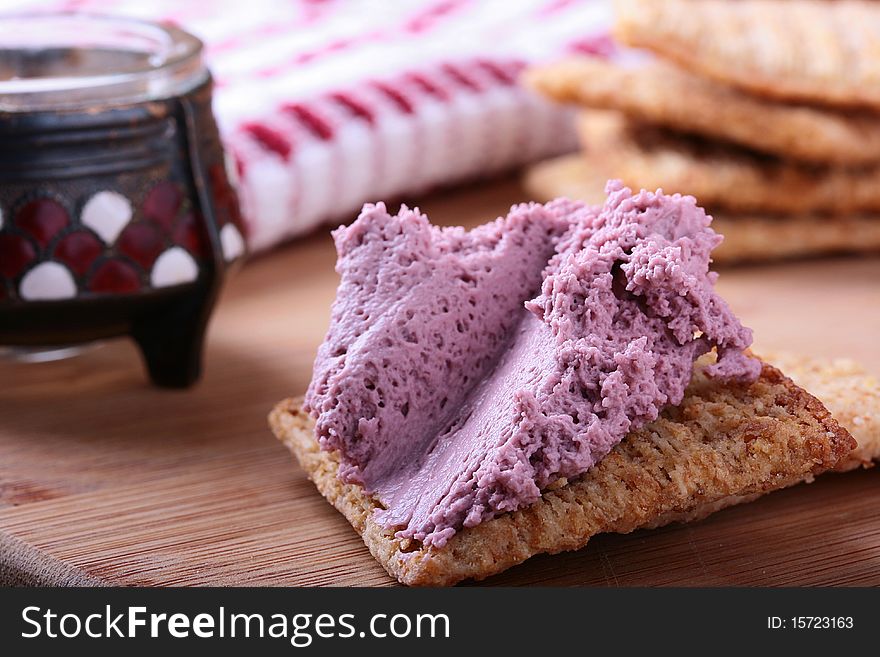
{"x": 117, "y": 216}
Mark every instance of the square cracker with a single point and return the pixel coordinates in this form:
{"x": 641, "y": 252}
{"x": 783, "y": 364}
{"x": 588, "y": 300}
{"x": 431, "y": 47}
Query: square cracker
{"x": 811, "y": 50}
{"x": 724, "y": 444}
{"x": 660, "y": 93}
{"x": 723, "y": 175}
{"x": 850, "y": 393}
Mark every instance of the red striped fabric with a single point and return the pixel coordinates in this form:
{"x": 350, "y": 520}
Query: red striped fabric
{"x": 326, "y": 104}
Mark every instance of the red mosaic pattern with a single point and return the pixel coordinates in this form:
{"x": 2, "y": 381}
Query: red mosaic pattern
{"x": 42, "y": 219}
{"x": 190, "y": 234}
{"x": 78, "y": 250}
{"x": 43, "y": 230}
{"x": 16, "y": 253}
{"x": 142, "y": 242}
{"x": 163, "y": 203}
{"x": 115, "y": 276}
{"x": 225, "y": 199}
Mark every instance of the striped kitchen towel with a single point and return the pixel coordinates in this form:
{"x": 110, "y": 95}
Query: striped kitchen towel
{"x": 327, "y": 104}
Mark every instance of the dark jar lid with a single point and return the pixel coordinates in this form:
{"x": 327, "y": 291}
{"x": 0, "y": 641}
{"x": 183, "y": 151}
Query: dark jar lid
{"x": 73, "y": 61}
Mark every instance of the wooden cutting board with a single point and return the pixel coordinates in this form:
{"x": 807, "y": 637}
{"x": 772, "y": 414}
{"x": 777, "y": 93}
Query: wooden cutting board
{"x": 105, "y": 480}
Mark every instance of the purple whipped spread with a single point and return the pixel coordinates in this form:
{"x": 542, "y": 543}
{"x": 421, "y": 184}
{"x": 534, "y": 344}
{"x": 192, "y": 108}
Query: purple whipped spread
{"x": 454, "y": 399}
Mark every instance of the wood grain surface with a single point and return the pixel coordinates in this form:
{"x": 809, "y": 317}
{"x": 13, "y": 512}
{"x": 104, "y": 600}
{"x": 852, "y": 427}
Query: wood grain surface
{"x": 105, "y": 480}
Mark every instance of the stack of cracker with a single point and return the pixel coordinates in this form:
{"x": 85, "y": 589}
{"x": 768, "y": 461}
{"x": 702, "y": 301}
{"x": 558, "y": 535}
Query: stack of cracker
{"x": 767, "y": 111}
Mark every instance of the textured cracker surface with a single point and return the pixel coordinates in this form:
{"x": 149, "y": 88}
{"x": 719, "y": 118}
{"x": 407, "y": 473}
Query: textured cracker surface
{"x": 848, "y": 391}
{"x": 659, "y": 93}
{"x": 747, "y": 237}
{"x": 721, "y": 175}
{"x": 724, "y": 444}
{"x": 818, "y": 50}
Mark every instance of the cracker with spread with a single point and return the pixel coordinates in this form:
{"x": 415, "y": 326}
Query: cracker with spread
{"x": 483, "y": 396}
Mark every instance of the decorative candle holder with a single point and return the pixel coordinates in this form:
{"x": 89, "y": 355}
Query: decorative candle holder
{"x": 117, "y": 216}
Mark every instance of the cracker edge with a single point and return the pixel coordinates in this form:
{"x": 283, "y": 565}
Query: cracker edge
{"x": 748, "y": 237}
{"x": 635, "y": 25}
{"x": 727, "y": 176}
{"x": 512, "y": 538}
{"x": 661, "y": 93}
{"x": 851, "y": 394}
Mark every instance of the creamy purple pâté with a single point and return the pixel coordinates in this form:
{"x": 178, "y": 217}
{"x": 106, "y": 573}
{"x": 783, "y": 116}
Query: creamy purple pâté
{"x": 454, "y": 398}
